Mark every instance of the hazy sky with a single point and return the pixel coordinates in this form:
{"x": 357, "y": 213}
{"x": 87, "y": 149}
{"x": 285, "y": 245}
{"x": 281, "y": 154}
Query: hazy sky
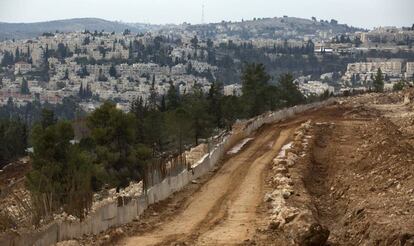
{"x": 361, "y": 13}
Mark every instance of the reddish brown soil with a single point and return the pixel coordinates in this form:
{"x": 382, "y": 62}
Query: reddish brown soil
{"x": 357, "y": 179}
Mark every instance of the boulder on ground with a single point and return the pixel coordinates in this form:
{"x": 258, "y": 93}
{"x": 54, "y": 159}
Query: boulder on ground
{"x": 316, "y": 235}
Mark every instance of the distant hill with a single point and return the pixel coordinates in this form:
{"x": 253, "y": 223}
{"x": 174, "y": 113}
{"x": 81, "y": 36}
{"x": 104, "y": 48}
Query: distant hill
{"x": 277, "y": 27}
{"x": 283, "y": 27}
{"x": 30, "y": 30}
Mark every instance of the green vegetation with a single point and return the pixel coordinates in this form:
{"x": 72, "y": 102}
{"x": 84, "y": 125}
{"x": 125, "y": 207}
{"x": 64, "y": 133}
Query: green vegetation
{"x": 61, "y": 171}
{"x": 16, "y": 122}
{"x": 25, "y": 87}
{"x": 398, "y": 86}
{"x": 113, "y": 143}
{"x": 117, "y": 147}
{"x": 112, "y": 71}
{"x": 288, "y": 91}
{"x": 8, "y": 59}
{"x": 255, "y": 85}
{"x": 85, "y": 93}
{"x": 31, "y": 112}
{"x": 379, "y": 81}
{"x": 260, "y": 96}
{"x": 13, "y": 140}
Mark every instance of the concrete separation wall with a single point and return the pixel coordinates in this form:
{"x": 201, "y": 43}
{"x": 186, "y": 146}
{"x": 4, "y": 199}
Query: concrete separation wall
{"x": 113, "y": 215}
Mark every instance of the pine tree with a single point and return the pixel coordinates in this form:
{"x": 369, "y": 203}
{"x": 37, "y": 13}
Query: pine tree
{"x": 140, "y": 111}
{"x": 46, "y": 54}
{"x": 379, "y": 81}
{"x": 196, "y": 105}
{"x": 179, "y": 126}
{"x": 112, "y": 71}
{"x": 25, "y": 87}
{"x": 173, "y": 98}
{"x": 13, "y": 133}
{"x": 88, "y": 91}
{"x": 254, "y": 81}
{"x": 163, "y": 106}
{"x": 114, "y": 133}
{"x": 61, "y": 175}
{"x": 131, "y": 51}
{"x": 45, "y": 71}
{"x": 194, "y": 42}
{"x": 17, "y": 55}
{"x": 47, "y": 118}
{"x": 153, "y": 96}
{"x": 83, "y": 72}
{"x": 289, "y": 92}
{"x": 8, "y": 59}
{"x": 189, "y": 68}
{"x": 214, "y": 100}
{"x": 66, "y": 76}
{"x": 81, "y": 91}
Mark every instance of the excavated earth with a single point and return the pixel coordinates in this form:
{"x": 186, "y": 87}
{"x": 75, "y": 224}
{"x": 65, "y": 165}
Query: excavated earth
{"x": 341, "y": 175}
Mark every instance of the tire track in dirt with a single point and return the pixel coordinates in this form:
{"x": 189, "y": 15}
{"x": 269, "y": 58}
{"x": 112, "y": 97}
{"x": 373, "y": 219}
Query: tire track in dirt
{"x": 241, "y": 205}
{"x": 226, "y": 205}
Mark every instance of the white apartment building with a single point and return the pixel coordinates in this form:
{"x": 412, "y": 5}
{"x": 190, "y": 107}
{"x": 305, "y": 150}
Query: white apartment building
{"x": 22, "y": 67}
{"x": 390, "y": 68}
{"x": 409, "y": 71}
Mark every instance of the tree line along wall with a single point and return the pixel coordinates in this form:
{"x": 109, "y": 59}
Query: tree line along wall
{"x": 126, "y": 208}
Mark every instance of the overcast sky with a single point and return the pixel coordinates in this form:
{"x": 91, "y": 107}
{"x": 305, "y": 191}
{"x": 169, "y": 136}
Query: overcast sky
{"x": 361, "y": 13}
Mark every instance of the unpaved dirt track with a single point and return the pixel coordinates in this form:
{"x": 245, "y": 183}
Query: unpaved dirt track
{"x": 223, "y": 211}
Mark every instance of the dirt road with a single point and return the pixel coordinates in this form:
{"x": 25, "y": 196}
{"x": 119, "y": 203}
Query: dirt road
{"x": 347, "y": 179}
{"x": 223, "y": 211}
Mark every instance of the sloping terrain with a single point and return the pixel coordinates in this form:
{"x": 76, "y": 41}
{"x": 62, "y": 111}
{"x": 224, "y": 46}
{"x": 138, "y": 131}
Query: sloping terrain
{"x": 265, "y": 27}
{"x": 276, "y": 28}
{"x": 351, "y": 185}
{"x": 341, "y": 175}
{"x": 13, "y": 195}
{"x": 31, "y": 30}
{"x": 223, "y": 210}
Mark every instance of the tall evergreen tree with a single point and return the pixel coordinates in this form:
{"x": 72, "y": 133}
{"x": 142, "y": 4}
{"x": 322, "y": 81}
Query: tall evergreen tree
{"x": 196, "y": 105}
{"x": 66, "y": 76}
{"x": 113, "y": 134}
{"x": 13, "y": 136}
{"x": 379, "y": 81}
{"x": 47, "y": 118}
{"x": 112, "y": 71}
{"x": 254, "y": 81}
{"x": 81, "y": 92}
{"x": 194, "y": 42}
{"x": 8, "y": 59}
{"x": 289, "y": 91}
{"x": 214, "y": 100}
{"x": 83, "y": 72}
{"x": 154, "y": 131}
{"x": 163, "y": 106}
{"x": 25, "y": 87}
{"x": 140, "y": 111}
{"x": 17, "y": 55}
{"x": 153, "y": 96}
{"x": 173, "y": 98}
{"x": 61, "y": 173}
{"x": 179, "y": 126}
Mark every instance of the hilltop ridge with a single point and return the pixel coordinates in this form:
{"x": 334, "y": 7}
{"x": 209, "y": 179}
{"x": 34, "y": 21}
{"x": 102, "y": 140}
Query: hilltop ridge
{"x": 277, "y": 27}
{"x": 30, "y": 30}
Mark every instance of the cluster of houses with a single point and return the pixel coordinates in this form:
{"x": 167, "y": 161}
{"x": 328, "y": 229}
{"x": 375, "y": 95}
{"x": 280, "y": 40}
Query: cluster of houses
{"x": 392, "y": 70}
{"x": 85, "y": 61}
{"x": 69, "y": 74}
{"x": 389, "y": 39}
